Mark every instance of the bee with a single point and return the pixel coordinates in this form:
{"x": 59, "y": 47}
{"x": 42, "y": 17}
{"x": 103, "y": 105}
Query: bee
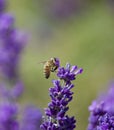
{"x": 50, "y": 66}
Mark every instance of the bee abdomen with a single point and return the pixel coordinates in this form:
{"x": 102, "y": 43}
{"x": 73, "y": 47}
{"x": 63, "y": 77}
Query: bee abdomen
{"x": 46, "y": 72}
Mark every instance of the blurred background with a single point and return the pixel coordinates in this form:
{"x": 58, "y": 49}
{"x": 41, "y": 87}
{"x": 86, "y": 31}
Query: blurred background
{"x": 80, "y": 32}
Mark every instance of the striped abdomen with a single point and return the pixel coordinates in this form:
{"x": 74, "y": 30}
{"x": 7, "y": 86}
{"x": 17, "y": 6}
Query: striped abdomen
{"x": 46, "y": 71}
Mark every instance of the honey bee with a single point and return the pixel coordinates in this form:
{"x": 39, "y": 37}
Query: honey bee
{"x": 50, "y": 66}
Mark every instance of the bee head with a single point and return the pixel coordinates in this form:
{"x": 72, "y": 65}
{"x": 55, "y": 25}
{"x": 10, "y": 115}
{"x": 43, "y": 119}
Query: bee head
{"x": 56, "y": 61}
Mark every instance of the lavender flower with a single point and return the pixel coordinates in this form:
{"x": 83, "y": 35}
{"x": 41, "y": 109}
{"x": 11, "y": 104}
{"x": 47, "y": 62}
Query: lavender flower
{"x": 68, "y": 73}
{"x": 10, "y": 111}
{"x": 2, "y": 5}
{"x": 8, "y": 116}
{"x": 17, "y": 90}
{"x": 11, "y": 93}
{"x": 61, "y": 95}
{"x": 6, "y": 26}
{"x": 12, "y": 43}
{"x": 62, "y": 9}
{"x": 102, "y": 112}
{"x": 31, "y": 118}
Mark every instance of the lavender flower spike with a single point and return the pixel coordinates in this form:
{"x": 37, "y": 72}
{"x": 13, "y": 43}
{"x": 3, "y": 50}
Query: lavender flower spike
{"x": 13, "y": 93}
{"x": 12, "y": 43}
{"x": 2, "y": 5}
{"x": 31, "y": 118}
{"x": 8, "y": 116}
{"x": 61, "y": 95}
{"x": 102, "y": 112}
{"x": 68, "y": 73}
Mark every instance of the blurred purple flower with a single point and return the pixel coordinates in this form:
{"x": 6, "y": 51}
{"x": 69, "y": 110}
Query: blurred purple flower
{"x": 6, "y": 26}
{"x": 8, "y": 116}
{"x": 61, "y": 9}
{"x": 31, "y": 118}
{"x": 102, "y": 112}
{"x": 17, "y": 90}
{"x": 12, "y": 43}
{"x": 13, "y": 92}
{"x": 61, "y": 95}
{"x": 2, "y": 5}
{"x": 10, "y": 111}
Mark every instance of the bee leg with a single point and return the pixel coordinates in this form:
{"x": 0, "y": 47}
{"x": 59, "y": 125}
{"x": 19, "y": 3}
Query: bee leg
{"x": 53, "y": 69}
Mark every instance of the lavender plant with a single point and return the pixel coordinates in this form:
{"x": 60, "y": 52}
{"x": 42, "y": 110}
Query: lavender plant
{"x": 12, "y": 42}
{"x": 8, "y": 116}
{"x": 31, "y": 118}
{"x": 61, "y": 94}
{"x": 102, "y": 112}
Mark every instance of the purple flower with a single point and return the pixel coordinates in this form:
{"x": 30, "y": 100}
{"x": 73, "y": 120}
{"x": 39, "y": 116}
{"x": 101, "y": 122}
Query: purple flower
{"x": 62, "y": 9}
{"x": 17, "y": 90}
{"x": 2, "y": 5}
{"x": 61, "y": 95}
{"x": 102, "y": 112}
{"x": 67, "y": 123}
{"x": 12, "y": 43}
{"x": 31, "y": 118}
{"x": 9, "y": 113}
{"x": 8, "y": 116}
{"x": 49, "y": 125}
{"x": 6, "y": 25}
{"x": 11, "y": 92}
{"x": 57, "y": 62}
{"x": 68, "y": 73}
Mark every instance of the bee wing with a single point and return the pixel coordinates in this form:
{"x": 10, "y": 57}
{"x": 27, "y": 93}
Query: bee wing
{"x": 42, "y": 62}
